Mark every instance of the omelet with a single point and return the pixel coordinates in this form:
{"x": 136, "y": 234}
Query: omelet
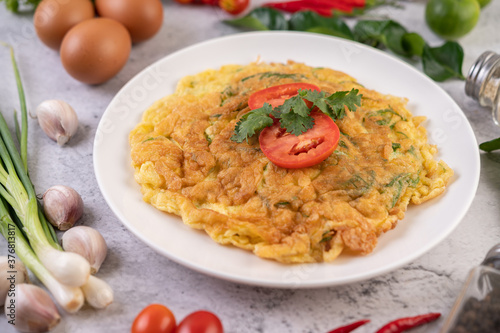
{"x": 186, "y": 164}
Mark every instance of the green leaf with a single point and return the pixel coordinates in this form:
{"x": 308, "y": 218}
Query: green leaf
{"x": 294, "y": 114}
{"x": 337, "y": 102}
{"x": 262, "y": 18}
{"x": 413, "y": 43}
{"x": 278, "y": 75}
{"x": 312, "y": 22}
{"x": 369, "y": 32}
{"x": 490, "y": 145}
{"x": 392, "y": 35}
{"x": 443, "y": 62}
{"x": 252, "y": 122}
{"x": 294, "y": 104}
{"x": 295, "y": 123}
{"x": 12, "y": 5}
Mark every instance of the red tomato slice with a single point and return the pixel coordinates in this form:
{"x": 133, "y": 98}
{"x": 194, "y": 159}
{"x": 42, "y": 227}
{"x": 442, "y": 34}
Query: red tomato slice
{"x": 278, "y": 94}
{"x": 200, "y": 322}
{"x": 310, "y": 148}
{"x": 155, "y": 318}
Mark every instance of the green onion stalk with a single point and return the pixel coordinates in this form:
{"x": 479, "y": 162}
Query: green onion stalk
{"x": 70, "y": 298}
{"x": 17, "y": 190}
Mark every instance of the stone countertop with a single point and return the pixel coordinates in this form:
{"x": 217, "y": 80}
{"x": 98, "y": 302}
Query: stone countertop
{"x": 140, "y": 276}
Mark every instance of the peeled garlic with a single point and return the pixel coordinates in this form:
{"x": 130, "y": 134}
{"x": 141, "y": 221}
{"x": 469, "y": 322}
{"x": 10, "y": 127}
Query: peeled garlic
{"x": 88, "y": 243}
{"x": 30, "y": 309}
{"x": 12, "y": 272}
{"x": 97, "y": 293}
{"x": 63, "y": 206}
{"x": 57, "y": 119}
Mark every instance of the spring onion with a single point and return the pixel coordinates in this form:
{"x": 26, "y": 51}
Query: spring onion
{"x": 20, "y": 213}
{"x": 70, "y": 298}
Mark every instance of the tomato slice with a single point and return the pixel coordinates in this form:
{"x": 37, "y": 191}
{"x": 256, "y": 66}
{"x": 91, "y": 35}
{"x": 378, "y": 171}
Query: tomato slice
{"x": 278, "y": 94}
{"x": 310, "y": 148}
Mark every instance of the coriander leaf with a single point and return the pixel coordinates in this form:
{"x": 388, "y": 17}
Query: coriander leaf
{"x": 312, "y": 22}
{"x": 295, "y": 105}
{"x": 314, "y": 96}
{"x": 295, "y": 123}
{"x": 490, "y": 145}
{"x": 294, "y": 115}
{"x": 443, "y": 62}
{"x": 252, "y": 122}
{"x": 334, "y": 105}
{"x": 261, "y": 18}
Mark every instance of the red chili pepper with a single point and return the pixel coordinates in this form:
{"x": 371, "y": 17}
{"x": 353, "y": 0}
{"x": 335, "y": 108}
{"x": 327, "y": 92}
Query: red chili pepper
{"x": 350, "y": 327}
{"x": 403, "y": 324}
{"x": 354, "y": 3}
{"x": 337, "y": 3}
{"x": 322, "y": 7}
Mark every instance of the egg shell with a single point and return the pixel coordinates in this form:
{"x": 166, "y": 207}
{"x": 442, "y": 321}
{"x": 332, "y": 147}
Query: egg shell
{"x": 95, "y": 50}
{"x": 54, "y": 18}
{"x": 142, "y": 18}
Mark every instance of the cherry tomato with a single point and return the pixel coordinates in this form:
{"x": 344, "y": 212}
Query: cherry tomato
{"x": 234, "y": 7}
{"x": 310, "y": 148}
{"x": 155, "y": 318}
{"x": 276, "y": 95}
{"x": 200, "y": 322}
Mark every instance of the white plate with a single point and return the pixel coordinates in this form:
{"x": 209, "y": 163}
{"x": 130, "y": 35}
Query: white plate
{"x": 423, "y": 227}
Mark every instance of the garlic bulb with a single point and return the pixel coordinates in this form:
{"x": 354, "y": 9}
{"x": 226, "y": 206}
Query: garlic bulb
{"x": 97, "y": 293}
{"x": 57, "y": 119}
{"x": 63, "y": 206}
{"x": 88, "y": 243}
{"x": 12, "y": 272}
{"x": 30, "y": 309}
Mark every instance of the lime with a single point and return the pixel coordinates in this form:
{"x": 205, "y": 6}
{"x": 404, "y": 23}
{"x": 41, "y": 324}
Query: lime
{"x": 452, "y": 19}
{"x": 483, "y": 3}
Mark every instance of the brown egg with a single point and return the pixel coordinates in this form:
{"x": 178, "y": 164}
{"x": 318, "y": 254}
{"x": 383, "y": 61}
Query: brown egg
{"x": 54, "y": 18}
{"x": 95, "y": 50}
{"x": 142, "y": 18}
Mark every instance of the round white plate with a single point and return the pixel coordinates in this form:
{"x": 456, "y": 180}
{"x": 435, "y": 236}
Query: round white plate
{"x": 423, "y": 227}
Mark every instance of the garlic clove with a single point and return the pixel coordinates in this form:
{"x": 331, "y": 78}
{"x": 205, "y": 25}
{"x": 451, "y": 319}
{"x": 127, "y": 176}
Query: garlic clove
{"x": 30, "y": 309}
{"x": 58, "y": 120}
{"x": 12, "y": 272}
{"x": 62, "y": 206}
{"x": 97, "y": 293}
{"x": 88, "y": 243}
{"x": 70, "y": 269}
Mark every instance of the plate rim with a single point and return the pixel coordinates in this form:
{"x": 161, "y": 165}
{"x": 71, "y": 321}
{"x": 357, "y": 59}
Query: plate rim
{"x": 264, "y": 282}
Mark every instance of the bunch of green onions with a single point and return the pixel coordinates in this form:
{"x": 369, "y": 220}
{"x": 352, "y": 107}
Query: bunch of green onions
{"x": 23, "y": 223}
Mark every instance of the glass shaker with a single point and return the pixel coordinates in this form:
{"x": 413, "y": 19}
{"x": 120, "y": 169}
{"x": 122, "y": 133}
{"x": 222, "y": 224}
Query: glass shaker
{"x": 477, "y": 308}
{"x": 483, "y": 83}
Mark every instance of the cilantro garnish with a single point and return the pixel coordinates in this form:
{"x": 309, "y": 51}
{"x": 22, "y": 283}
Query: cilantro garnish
{"x": 294, "y": 114}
